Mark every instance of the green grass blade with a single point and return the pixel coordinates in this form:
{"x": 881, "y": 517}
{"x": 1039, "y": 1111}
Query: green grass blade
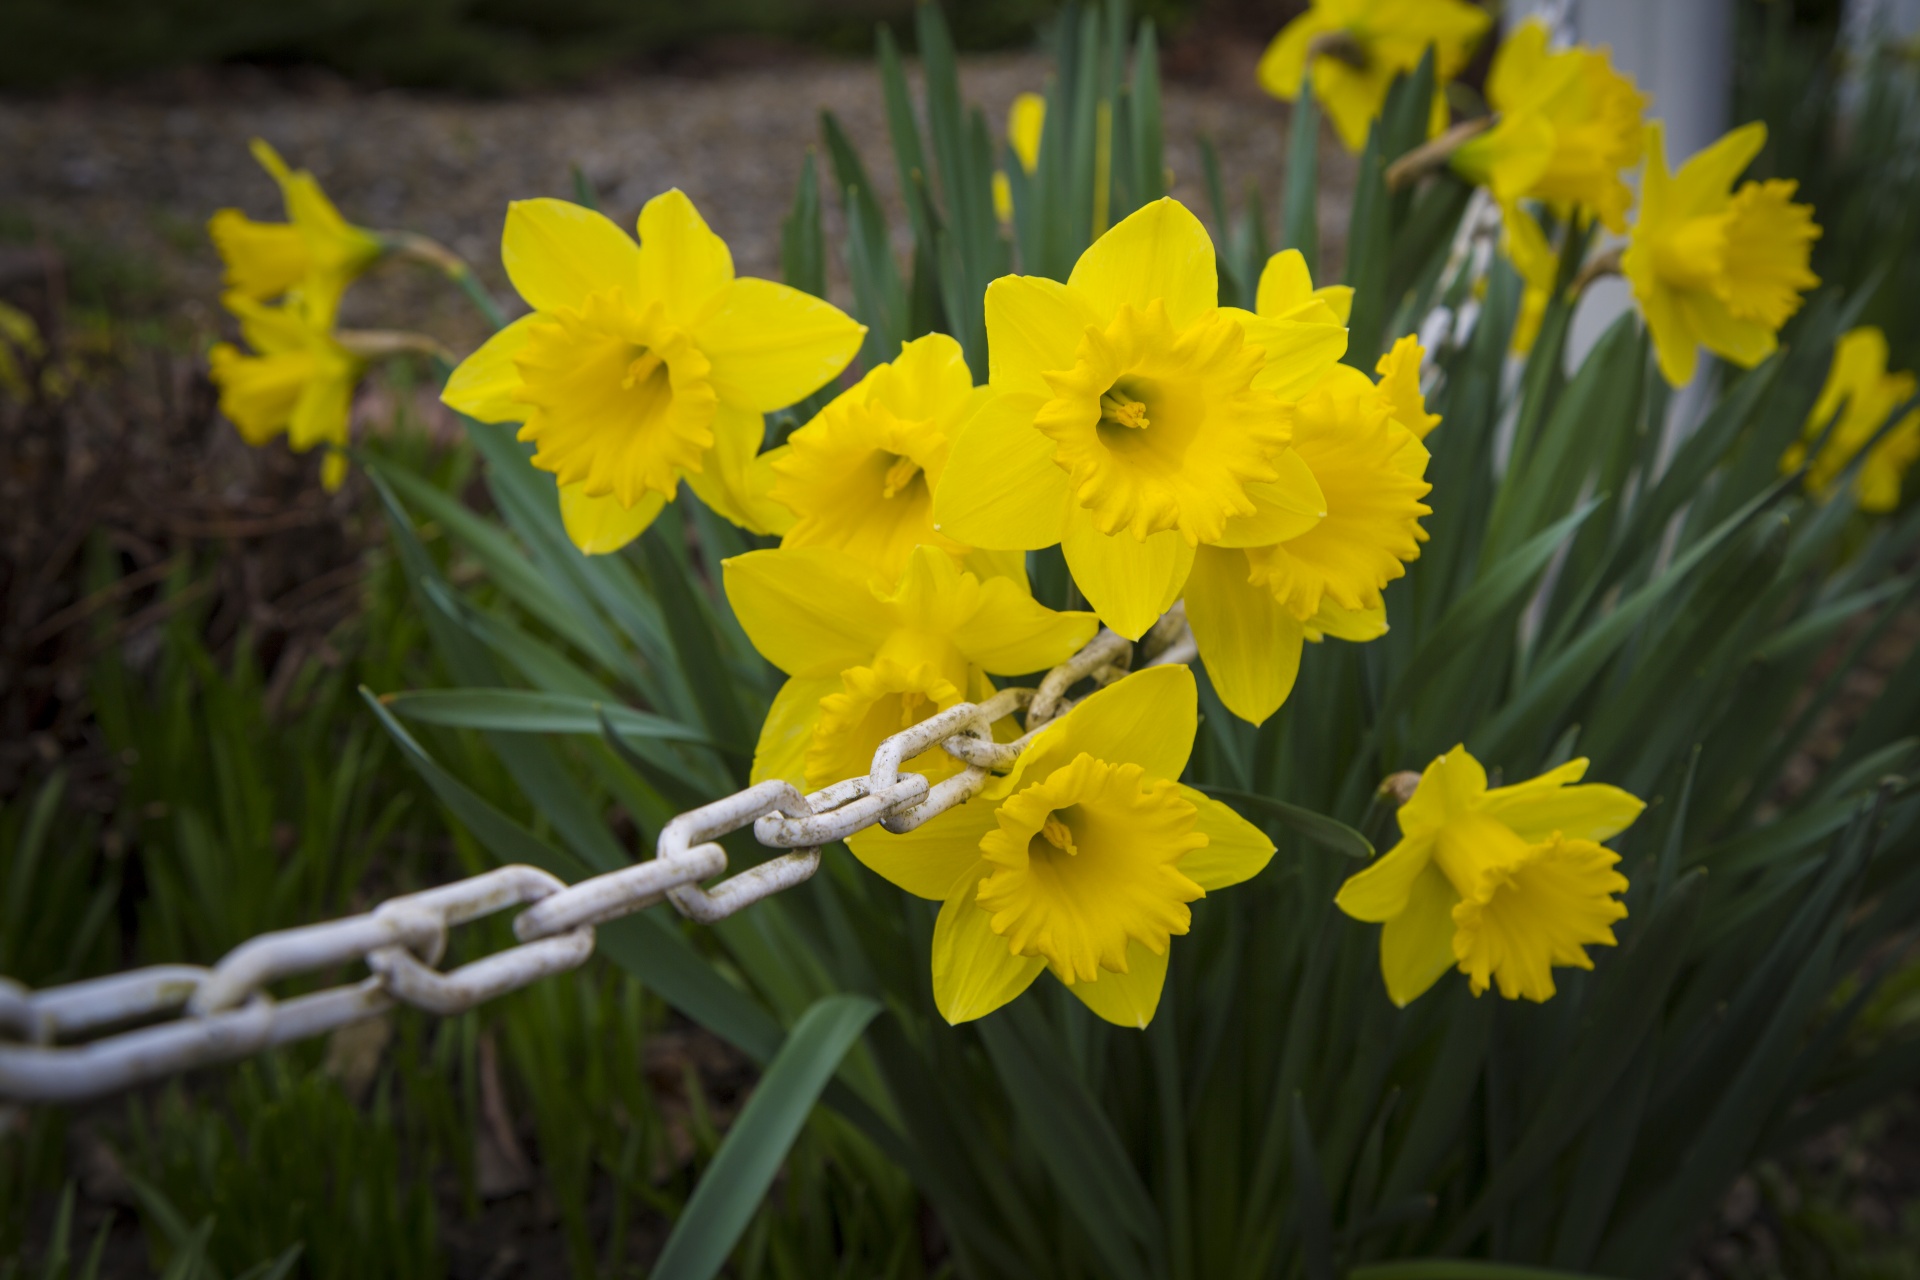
{"x": 1328, "y": 833}
{"x": 525, "y": 711}
{"x": 1299, "y": 207}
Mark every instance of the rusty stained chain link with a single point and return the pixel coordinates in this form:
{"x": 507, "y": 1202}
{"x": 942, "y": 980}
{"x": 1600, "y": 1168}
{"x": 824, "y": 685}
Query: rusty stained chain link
{"x": 224, "y": 1012}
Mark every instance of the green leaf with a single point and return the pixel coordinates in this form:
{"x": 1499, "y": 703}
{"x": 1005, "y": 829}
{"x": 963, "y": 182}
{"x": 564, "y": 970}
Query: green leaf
{"x": 1312, "y": 1215}
{"x": 1328, "y": 833}
{"x": 525, "y": 711}
{"x": 1458, "y": 1269}
{"x": 743, "y": 1169}
{"x": 1299, "y": 207}
{"x": 803, "y": 248}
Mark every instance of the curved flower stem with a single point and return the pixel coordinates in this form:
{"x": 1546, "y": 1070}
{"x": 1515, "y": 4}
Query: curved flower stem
{"x": 1606, "y": 264}
{"x": 373, "y": 344}
{"x": 411, "y": 244}
{"x": 1430, "y": 156}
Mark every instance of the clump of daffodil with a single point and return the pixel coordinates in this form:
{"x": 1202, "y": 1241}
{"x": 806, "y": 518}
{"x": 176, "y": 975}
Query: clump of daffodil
{"x": 1082, "y": 860}
{"x": 1504, "y": 883}
{"x": 1712, "y": 266}
{"x": 646, "y": 363}
{"x": 299, "y": 379}
{"x": 1864, "y": 395}
{"x": 1255, "y": 598}
{"x": 1355, "y": 49}
{"x": 860, "y": 476}
{"x": 1568, "y": 128}
{"x": 1025, "y": 120}
{"x": 870, "y": 655}
{"x": 316, "y": 251}
{"x": 1133, "y": 417}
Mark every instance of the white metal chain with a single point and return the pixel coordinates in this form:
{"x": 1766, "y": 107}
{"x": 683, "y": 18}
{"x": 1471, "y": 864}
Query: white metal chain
{"x": 73, "y": 1042}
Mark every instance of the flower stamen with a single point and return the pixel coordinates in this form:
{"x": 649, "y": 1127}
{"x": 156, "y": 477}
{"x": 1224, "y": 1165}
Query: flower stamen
{"x": 899, "y": 476}
{"x": 1117, "y": 409}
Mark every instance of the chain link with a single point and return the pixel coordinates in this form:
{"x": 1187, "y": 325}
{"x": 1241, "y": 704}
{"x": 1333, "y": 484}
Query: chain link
{"x": 70, "y": 1043}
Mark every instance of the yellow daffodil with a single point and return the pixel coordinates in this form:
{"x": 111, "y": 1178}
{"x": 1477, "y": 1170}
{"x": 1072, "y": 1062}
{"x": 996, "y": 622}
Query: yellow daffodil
{"x": 1357, "y": 47}
{"x": 869, "y": 656}
{"x": 860, "y": 476}
{"x": 1081, "y": 860}
{"x": 1024, "y": 122}
{"x": 299, "y": 380}
{"x": 315, "y": 251}
{"x": 1861, "y": 390}
{"x": 1133, "y": 417}
{"x": 1714, "y": 267}
{"x": 643, "y": 364}
{"x": 1568, "y": 128}
{"x": 1504, "y": 883}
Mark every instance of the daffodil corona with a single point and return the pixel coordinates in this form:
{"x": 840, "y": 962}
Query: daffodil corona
{"x": 1504, "y": 884}
{"x": 1712, "y": 266}
{"x": 1356, "y": 48}
{"x": 1082, "y": 860}
{"x": 316, "y": 251}
{"x": 1864, "y": 394}
{"x": 299, "y": 379}
{"x": 869, "y": 655}
{"x": 645, "y": 364}
{"x": 1133, "y": 417}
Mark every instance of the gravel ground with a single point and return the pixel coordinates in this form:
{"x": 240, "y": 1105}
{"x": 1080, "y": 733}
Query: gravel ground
{"x": 138, "y": 171}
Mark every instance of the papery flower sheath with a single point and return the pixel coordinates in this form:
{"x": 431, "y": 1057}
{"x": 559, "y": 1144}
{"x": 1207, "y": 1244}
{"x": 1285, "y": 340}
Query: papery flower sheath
{"x": 315, "y": 251}
{"x": 1082, "y": 860}
{"x": 1861, "y": 390}
{"x": 643, "y": 364}
{"x": 869, "y": 655}
{"x": 1504, "y": 884}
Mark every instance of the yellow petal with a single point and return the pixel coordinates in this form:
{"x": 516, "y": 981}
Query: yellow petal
{"x": 1704, "y": 182}
{"x": 324, "y": 409}
{"x": 782, "y": 750}
{"x": 985, "y": 565}
{"x": 1453, "y": 784}
{"x": 1026, "y": 118}
{"x": 1012, "y": 633}
{"x": 810, "y": 611}
{"x": 1416, "y": 946}
{"x": 935, "y": 861}
{"x": 1249, "y": 641}
{"x": 1357, "y": 625}
{"x": 484, "y": 385}
{"x": 729, "y": 482}
{"x": 599, "y": 526}
{"x": 1380, "y": 891}
{"x": 683, "y": 264}
{"x": 1236, "y": 850}
{"x": 1299, "y": 352}
{"x": 1129, "y": 583}
{"x": 1283, "y": 66}
{"x": 1285, "y": 508}
{"x": 1147, "y": 718}
{"x": 1674, "y": 342}
{"x": 771, "y": 345}
{"x": 1127, "y": 999}
{"x": 973, "y": 972}
{"x": 1034, "y": 326}
{"x": 1159, "y": 251}
{"x": 1001, "y": 488}
{"x": 1285, "y": 283}
{"x": 1744, "y": 342}
{"x": 557, "y": 253}
{"x": 1539, "y": 808}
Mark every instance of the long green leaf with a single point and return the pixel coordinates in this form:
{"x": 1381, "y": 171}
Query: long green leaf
{"x": 1328, "y": 833}
{"x": 524, "y": 711}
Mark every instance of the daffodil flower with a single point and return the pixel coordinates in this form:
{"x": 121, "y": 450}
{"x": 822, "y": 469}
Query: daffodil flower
{"x": 1569, "y": 126}
{"x": 316, "y": 251}
{"x": 1503, "y": 883}
{"x": 1356, "y": 48}
{"x": 861, "y": 475}
{"x": 1083, "y": 859}
{"x": 1252, "y": 603}
{"x": 1526, "y": 247}
{"x": 1714, "y": 267}
{"x": 643, "y": 364}
{"x": 869, "y": 655}
{"x": 299, "y": 380}
{"x": 1861, "y": 390}
{"x": 1025, "y": 119}
{"x": 1133, "y": 417}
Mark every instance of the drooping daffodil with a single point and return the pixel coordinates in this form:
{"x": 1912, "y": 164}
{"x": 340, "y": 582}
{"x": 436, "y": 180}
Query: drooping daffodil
{"x": 298, "y": 378}
{"x": 1712, "y": 266}
{"x": 643, "y": 364}
{"x": 1356, "y": 48}
{"x": 868, "y": 655}
{"x": 1568, "y": 128}
{"x": 315, "y": 251}
{"x": 1504, "y": 883}
{"x": 1081, "y": 860}
{"x": 1864, "y": 394}
{"x": 1133, "y": 417}
{"x": 1250, "y": 604}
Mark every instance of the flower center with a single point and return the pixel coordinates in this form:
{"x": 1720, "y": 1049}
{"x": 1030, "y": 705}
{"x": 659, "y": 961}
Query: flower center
{"x": 1087, "y": 861}
{"x": 873, "y": 704}
{"x": 903, "y": 472}
{"x": 1161, "y": 428}
{"x": 1693, "y": 255}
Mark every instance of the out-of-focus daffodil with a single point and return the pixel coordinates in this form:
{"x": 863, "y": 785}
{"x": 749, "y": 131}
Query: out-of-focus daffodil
{"x": 316, "y": 251}
{"x": 1716, "y": 267}
{"x": 299, "y": 379}
{"x": 1082, "y": 860}
{"x": 643, "y": 364}
{"x": 1355, "y": 48}
{"x": 1569, "y": 127}
{"x": 1861, "y": 390}
{"x": 1504, "y": 883}
{"x": 1024, "y": 122}
{"x": 860, "y": 476}
{"x": 1526, "y": 247}
{"x": 1134, "y": 417}
{"x": 1254, "y": 600}
{"x": 869, "y": 655}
